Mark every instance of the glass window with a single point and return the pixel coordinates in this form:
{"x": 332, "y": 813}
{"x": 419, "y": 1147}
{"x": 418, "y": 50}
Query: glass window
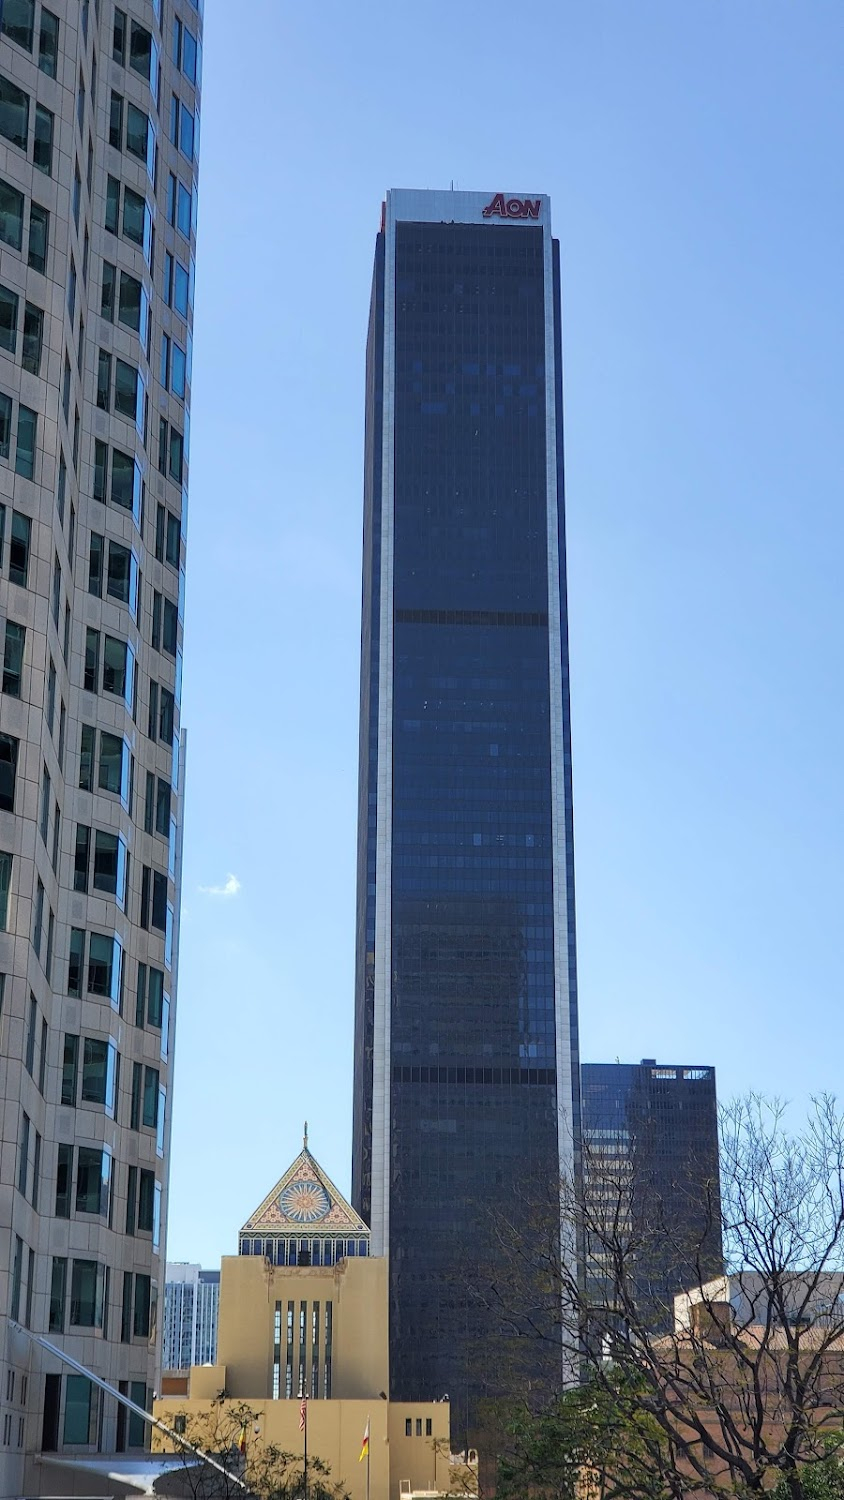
{"x": 159, "y": 1132}
{"x": 104, "y": 966}
{"x": 14, "y": 113}
{"x": 107, "y": 299}
{"x": 48, "y": 43}
{"x": 8, "y": 771}
{"x": 162, "y": 808}
{"x": 39, "y": 225}
{"x": 131, "y": 302}
{"x": 138, "y": 133}
{"x": 158, "y": 916}
{"x": 92, "y": 1180}
{"x": 106, "y": 862}
{"x": 8, "y": 319}
{"x": 92, "y": 660}
{"x": 150, "y": 1103}
{"x": 169, "y": 632}
{"x": 11, "y": 215}
{"x": 76, "y": 961}
{"x": 174, "y": 537}
{"x": 33, "y": 338}
{"x": 5, "y": 425}
{"x": 166, "y": 715}
{"x": 140, "y": 51}
{"x": 13, "y": 649}
{"x": 176, "y": 455}
{"x": 96, "y": 1067}
{"x": 81, "y": 857}
{"x": 118, "y": 45}
{"x": 86, "y": 1309}
{"x": 149, "y": 803}
{"x": 42, "y": 147}
{"x": 58, "y": 1279}
{"x": 141, "y": 1319}
{"x": 115, "y": 123}
{"x": 146, "y": 1201}
{"x": 25, "y": 451}
{"x": 100, "y": 469}
{"x": 103, "y": 380}
{"x": 70, "y": 1066}
{"x": 86, "y": 758}
{"x": 5, "y": 883}
{"x": 189, "y": 54}
{"x": 17, "y": 22}
{"x": 118, "y": 663}
{"x": 19, "y": 546}
{"x": 180, "y": 290}
{"x": 111, "y": 768}
{"x": 122, "y": 479}
{"x": 135, "y": 217}
{"x": 80, "y": 1402}
{"x": 178, "y": 369}
{"x": 186, "y": 131}
{"x": 112, "y": 208}
{"x": 126, "y": 389}
{"x": 121, "y": 571}
{"x": 155, "y": 997}
{"x": 183, "y": 211}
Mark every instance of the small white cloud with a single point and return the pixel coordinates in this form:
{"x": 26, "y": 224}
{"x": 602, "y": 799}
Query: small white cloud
{"x": 231, "y": 888}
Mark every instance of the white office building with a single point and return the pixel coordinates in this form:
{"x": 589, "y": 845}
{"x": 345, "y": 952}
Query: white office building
{"x": 191, "y": 1310}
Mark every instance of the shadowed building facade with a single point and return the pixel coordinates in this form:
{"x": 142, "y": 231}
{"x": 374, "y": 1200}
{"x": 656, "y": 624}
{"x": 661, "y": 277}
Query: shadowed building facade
{"x": 650, "y": 1167}
{"x": 466, "y": 1065}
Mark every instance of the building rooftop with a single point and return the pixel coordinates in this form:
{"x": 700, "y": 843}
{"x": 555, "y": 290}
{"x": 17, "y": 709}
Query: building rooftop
{"x": 306, "y": 1199}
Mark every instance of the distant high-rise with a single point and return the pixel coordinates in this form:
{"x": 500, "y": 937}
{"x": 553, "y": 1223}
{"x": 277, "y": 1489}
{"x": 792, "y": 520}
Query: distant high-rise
{"x": 99, "y": 135}
{"x": 466, "y": 1061}
{"x": 650, "y": 1164}
{"x": 191, "y": 1309}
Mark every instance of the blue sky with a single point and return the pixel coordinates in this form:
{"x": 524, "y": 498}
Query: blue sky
{"x": 693, "y": 155}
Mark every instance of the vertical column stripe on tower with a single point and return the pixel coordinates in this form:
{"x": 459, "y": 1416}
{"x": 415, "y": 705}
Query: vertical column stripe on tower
{"x": 380, "y": 1220}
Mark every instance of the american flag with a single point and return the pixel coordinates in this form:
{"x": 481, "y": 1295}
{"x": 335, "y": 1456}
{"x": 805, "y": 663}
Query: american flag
{"x": 303, "y": 1414}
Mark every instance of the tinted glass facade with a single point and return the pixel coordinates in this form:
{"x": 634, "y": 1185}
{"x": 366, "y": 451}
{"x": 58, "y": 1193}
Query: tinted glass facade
{"x": 652, "y": 1128}
{"x": 466, "y": 1002}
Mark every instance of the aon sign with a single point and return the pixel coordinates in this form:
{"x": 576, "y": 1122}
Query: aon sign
{"x": 512, "y": 208}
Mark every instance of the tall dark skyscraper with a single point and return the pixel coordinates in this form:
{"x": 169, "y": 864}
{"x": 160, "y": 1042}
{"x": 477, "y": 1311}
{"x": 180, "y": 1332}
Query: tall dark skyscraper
{"x": 650, "y": 1145}
{"x": 466, "y": 1056}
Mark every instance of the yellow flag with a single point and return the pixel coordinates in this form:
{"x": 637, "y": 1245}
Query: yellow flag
{"x": 364, "y": 1452}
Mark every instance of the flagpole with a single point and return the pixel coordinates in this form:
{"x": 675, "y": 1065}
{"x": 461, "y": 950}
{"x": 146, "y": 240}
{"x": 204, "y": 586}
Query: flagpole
{"x": 306, "y": 1448}
{"x": 368, "y": 1447}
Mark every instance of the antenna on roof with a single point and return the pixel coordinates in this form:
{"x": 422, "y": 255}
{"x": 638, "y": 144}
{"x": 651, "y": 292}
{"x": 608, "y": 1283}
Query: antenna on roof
{"x": 305, "y": 1140}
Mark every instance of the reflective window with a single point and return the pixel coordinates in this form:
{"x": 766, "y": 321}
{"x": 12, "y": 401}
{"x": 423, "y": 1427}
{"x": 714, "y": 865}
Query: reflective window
{"x": 11, "y": 215}
{"x": 17, "y": 20}
{"x": 14, "y": 113}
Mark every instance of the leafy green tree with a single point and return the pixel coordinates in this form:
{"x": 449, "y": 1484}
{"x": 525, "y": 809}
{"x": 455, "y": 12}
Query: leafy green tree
{"x": 820, "y": 1481}
{"x": 591, "y": 1443}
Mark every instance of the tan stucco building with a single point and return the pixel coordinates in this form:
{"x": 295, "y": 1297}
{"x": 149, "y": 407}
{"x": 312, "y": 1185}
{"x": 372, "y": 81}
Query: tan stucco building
{"x": 303, "y": 1311}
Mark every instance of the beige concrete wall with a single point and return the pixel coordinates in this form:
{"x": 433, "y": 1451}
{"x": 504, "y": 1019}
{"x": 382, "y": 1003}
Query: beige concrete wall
{"x": 361, "y": 1348}
{"x": 205, "y": 1384}
{"x": 357, "y": 1291}
{"x": 335, "y": 1434}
